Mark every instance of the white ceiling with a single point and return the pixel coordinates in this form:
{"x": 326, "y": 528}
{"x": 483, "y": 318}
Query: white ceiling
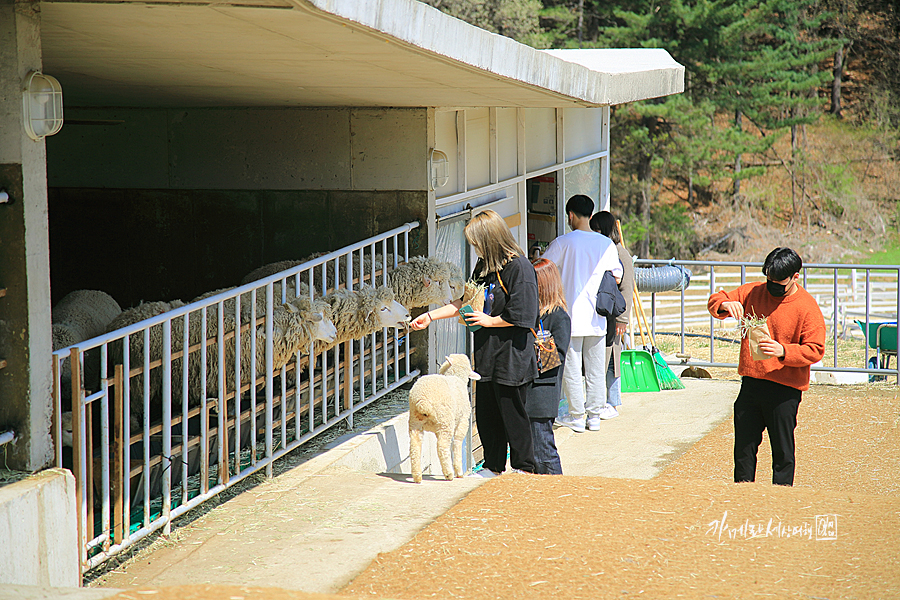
{"x": 303, "y": 53}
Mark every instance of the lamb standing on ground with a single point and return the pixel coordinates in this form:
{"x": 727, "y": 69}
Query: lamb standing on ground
{"x": 440, "y": 404}
{"x": 357, "y": 313}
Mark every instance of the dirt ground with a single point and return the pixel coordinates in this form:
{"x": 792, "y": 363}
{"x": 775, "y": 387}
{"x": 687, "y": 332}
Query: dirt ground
{"x": 690, "y": 532}
{"x": 687, "y": 533}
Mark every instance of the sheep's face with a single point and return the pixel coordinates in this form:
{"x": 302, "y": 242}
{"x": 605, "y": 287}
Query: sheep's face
{"x": 323, "y": 329}
{"x": 458, "y": 365}
{"x": 457, "y": 281}
{"x": 66, "y": 426}
{"x": 392, "y": 314}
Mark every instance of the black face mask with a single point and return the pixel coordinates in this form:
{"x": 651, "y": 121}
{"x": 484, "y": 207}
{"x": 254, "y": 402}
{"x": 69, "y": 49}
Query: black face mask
{"x": 776, "y": 289}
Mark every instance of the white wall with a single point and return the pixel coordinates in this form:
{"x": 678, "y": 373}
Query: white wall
{"x": 216, "y": 148}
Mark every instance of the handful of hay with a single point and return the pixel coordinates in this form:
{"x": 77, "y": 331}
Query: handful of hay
{"x": 755, "y": 330}
{"x": 474, "y": 297}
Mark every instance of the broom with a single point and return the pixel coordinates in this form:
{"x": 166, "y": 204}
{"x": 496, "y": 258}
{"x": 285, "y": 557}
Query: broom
{"x": 667, "y": 379}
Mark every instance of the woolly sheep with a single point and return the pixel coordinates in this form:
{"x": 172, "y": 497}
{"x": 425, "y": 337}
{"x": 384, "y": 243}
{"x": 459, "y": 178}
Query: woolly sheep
{"x": 295, "y": 327}
{"x": 82, "y": 315}
{"x": 440, "y": 404}
{"x": 425, "y": 280}
{"x": 79, "y": 316}
{"x": 360, "y": 312}
{"x": 277, "y": 267}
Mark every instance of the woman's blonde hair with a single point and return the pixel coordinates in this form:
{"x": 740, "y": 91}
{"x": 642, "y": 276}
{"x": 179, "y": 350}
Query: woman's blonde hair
{"x": 550, "y": 289}
{"x": 488, "y": 233}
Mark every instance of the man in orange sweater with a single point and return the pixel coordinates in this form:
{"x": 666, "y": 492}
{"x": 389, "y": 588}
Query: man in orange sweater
{"x": 771, "y": 389}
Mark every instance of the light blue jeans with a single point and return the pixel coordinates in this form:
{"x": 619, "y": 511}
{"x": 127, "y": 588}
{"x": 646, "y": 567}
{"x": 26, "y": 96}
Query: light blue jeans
{"x": 585, "y": 392}
{"x": 613, "y": 385}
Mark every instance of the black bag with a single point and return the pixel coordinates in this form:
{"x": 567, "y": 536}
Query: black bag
{"x": 610, "y": 301}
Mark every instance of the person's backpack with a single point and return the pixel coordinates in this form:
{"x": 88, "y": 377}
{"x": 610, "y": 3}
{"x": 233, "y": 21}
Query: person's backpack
{"x": 610, "y": 301}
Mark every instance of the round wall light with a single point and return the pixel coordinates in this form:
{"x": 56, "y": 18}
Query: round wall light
{"x": 42, "y": 97}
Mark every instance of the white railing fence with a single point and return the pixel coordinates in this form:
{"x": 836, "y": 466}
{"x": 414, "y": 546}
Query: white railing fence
{"x": 845, "y": 293}
{"x": 154, "y": 435}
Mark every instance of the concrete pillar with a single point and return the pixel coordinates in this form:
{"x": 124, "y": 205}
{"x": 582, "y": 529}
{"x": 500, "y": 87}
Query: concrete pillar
{"x": 40, "y": 538}
{"x": 25, "y": 340}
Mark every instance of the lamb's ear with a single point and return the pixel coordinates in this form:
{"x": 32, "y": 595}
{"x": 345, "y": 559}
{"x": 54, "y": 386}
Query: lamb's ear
{"x": 474, "y": 375}
{"x": 426, "y": 280}
{"x": 290, "y": 308}
{"x": 444, "y": 366}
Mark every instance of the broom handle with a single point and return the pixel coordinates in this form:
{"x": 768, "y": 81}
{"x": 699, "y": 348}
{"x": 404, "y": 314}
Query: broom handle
{"x": 634, "y": 292}
{"x": 636, "y": 300}
{"x": 637, "y": 317}
{"x": 643, "y": 316}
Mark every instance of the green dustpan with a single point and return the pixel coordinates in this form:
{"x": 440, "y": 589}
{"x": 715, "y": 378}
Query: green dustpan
{"x": 638, "y": 372}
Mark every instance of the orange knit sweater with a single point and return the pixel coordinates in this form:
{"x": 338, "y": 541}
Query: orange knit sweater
{"x": 794, "y": 321}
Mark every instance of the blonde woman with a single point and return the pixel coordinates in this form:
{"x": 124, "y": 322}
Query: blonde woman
{"x": 504, "y": 346}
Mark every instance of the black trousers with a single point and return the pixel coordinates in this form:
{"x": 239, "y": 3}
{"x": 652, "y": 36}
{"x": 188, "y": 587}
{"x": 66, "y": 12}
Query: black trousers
{"x": 764, "y": 405}
{"x": 502, "y": 420}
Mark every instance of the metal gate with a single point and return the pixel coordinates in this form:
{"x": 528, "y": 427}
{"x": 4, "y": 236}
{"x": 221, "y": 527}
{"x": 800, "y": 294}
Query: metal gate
{"x": 134, "y": 476}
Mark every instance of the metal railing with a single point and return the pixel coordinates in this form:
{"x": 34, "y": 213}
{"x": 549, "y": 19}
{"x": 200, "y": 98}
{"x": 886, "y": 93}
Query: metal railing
{"x": 845, "y": 293}
{"x": 135, "y": 473}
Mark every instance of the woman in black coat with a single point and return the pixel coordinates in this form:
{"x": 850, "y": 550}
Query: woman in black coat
{"x": 503, "y": 346}
{"x": 545, "y": 392}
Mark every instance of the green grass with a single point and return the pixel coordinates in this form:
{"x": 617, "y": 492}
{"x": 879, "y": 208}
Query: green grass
{"x": 889, "y": 256}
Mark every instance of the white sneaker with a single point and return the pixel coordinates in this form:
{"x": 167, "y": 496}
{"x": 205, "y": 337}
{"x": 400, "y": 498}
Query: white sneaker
{"x": 482, "y": 474}
{"x": 574, "y": 423}
{"x": 608, "y": 412}
{"x": 593, "y": 423}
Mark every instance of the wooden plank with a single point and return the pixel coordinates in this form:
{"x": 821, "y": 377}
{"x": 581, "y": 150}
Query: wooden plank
{"x": 89, "y": 464}
{"x": 120, "y": 519}
{"x": 78, "y": 458}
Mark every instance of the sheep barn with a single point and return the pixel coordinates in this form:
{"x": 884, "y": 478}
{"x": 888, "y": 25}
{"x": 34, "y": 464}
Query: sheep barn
{"x": 201, "y": 141}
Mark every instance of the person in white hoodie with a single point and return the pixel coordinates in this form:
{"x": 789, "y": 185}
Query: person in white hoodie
{"x": 583, "y": 256}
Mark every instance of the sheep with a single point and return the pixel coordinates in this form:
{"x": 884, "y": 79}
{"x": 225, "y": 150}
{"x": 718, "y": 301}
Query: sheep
{"x": 295, "y": 327}
{"x": 360, "y": 312}
{"x": 277, "y": 267}
{"x": 419, "y": 282}
{"x": 79, "y": 316}
{"x": 426, "y": 280}
{"x": 141, "y": 312}
{"x": 82, "y": 315}
{"x": 440, "y": 404}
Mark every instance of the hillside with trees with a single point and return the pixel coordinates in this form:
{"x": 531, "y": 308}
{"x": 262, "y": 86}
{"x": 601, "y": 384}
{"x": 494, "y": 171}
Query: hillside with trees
{"x": 788, "y": 132}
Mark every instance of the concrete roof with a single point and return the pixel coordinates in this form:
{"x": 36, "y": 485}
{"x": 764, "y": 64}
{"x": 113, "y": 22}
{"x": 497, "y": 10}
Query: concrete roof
{"x": 323, "y": 53}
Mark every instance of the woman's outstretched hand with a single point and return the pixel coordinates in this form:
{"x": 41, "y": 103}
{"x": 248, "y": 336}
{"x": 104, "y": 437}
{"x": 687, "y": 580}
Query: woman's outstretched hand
{"x": 421, "y": 322}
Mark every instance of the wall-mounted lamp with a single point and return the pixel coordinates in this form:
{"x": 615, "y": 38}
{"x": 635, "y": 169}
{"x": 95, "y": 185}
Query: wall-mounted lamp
{"x": 439, "y": 166}
{"x": 4, "y": 197}
{"x": 42, "y": 97}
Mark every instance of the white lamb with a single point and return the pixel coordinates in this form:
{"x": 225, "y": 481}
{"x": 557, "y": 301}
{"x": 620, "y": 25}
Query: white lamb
{"x": 360, "y": 312}
{"x": 440, "y": 404}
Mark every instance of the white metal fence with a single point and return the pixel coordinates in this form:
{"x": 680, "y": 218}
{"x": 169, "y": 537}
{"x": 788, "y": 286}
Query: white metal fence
{"x": 135, "y": 473}
{"x": 845, "y": 293}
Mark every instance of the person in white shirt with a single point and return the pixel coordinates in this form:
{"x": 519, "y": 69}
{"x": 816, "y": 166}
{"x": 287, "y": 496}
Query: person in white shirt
{"x": 583, "y": 256}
